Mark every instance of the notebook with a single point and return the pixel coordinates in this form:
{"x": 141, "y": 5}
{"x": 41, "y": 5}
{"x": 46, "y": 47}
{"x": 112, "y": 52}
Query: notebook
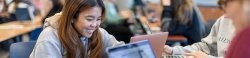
{"x": 22, "y": 14}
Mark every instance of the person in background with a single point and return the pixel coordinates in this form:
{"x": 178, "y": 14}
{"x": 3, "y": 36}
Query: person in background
{"x": 75, "y": 32}
{"x": 139, "y": 8}
{"x": 112, "y": 14}
{"x": 57, "y": 6}
{"x": 115, "y": 22}
{"x": 3, "y": 9}
{"x": 17, "y": 4}
{"x": 181, "y": 17}
{"x": 124, "y": 5}
{"x": 44, "y": 6}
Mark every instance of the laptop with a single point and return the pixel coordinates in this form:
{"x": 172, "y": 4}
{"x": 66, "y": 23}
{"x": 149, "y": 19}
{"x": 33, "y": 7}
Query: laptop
{"x": 22, "y": 14}
{"x": 140, "y": 49}
{"x": 157, "y": 40}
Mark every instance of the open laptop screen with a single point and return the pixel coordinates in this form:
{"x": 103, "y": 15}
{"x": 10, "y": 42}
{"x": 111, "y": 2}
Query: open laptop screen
{"x": 140, "y": 49}
{"x": 22, "y": 14}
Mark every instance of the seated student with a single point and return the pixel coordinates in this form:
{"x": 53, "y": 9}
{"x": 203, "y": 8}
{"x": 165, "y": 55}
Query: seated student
{"x": 214, "y": 45}
{"x": 4, "y": 15}
{"x": 15, "y": 5}
{"x": 235, "y": 10}
{"x": 3, "y": 9}
{"x": 180, "y": 17}
{"x": 57, "y": 6}
{"x": 112, "y": 15}
{"x": 114, "y": 22}
{"x": 75, "y": 33}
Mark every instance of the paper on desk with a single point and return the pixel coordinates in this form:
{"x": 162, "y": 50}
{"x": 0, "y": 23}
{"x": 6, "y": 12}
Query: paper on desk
{"x": 12, "y": 27}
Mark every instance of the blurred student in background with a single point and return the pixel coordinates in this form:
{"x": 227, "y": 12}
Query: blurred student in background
{"x": 17, "y": 4}
{"x": 75, "y": 33}
{"x": 112, "y": 13}
{"x": 115, "y": 21}
{"x": 57, "y": 6}
{"x": 180, "y": 17}
{"x": 3, "y": 9}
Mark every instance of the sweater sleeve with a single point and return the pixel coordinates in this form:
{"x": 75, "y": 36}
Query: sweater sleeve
{"x": 109, "y": 41}
{"x": 207, "y": 45}
{"x": 47, "y": 46}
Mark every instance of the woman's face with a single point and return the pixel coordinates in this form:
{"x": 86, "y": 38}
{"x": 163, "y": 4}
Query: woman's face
{"x": 234, "y": 11}
{"x": 88, "y": 21}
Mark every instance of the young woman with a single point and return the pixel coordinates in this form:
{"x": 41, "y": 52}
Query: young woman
{"x": 75, "y": 33}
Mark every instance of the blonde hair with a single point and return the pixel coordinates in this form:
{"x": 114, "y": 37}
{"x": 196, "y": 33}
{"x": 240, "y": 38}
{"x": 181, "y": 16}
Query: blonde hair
{"x": 184, "y": 11}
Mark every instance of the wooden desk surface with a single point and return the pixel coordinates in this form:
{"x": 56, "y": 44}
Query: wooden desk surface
{"x": 15, "y": 28}
{"x": 210, "y": 13}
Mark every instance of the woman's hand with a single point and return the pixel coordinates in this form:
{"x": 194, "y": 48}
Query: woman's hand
{"x": 167, "y": 50}
{"x": 197, "y": 54}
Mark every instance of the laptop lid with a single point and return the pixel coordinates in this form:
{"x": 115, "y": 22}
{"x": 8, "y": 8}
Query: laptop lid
{"x": 140, "y": 49}
{"x": 22, "y": 14}
{"x": 157, "y": 41}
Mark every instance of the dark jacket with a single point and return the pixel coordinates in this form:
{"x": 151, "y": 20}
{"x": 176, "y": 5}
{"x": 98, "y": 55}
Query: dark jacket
{"x": 56, "y": 8}
{"x": 193, "y": 30}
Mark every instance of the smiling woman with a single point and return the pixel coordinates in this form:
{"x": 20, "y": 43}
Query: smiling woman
{"x": 75, "y": 33}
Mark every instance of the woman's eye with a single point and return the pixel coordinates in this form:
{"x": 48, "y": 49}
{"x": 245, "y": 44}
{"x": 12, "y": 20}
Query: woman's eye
{"x": 89, "y": 19}
{"x": 98, "y": 19}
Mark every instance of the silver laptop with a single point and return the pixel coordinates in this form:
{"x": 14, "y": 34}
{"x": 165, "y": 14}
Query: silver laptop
{"x": 140, "y": 49}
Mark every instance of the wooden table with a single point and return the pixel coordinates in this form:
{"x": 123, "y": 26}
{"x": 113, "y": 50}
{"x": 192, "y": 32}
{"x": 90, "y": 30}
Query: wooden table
{"x": 12, "y": 29}
{"x": 209, "y": 9}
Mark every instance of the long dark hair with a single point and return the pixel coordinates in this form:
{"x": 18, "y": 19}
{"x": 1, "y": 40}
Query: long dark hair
{"x": 68, "y": 35}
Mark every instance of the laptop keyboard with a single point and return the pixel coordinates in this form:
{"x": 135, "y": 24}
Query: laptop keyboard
{"x": 173, "y": 56}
